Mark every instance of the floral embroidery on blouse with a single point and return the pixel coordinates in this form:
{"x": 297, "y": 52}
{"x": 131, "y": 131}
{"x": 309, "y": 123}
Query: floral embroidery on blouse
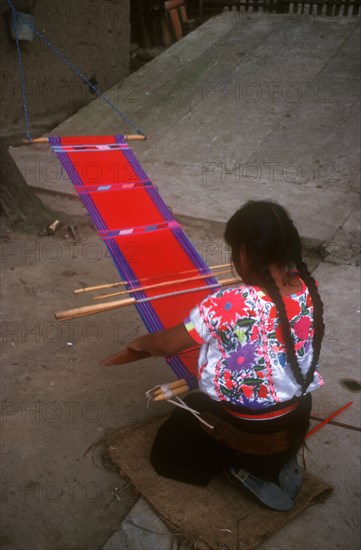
{"x": 243, "y": 356}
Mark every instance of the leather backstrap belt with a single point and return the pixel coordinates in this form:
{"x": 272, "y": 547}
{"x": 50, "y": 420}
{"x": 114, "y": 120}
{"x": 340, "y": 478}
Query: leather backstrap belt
{"x": 245, "y": 442}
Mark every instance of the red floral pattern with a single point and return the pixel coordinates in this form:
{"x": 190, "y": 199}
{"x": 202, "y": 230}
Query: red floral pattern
{"x": 244, "y": 358}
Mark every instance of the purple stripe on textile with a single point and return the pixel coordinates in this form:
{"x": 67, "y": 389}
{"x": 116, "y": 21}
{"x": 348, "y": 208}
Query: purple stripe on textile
{"x": 158, "y": 201}
{"x": 70, "y": 170}
{"x": 133, "y": 161}
{"x": 145, "y": 310}
{"x": 193, "y": 254}
{"x": 119, "y": 260}
{"x": 69, "y": 167}
{"x": 86, "y": 200}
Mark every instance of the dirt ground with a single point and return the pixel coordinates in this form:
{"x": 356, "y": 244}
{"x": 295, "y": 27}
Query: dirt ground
{"x": 59, "y": 491}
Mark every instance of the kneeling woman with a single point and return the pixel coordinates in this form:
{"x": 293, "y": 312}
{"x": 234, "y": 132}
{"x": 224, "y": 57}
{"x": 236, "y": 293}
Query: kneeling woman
{"x": 258, "y": 364}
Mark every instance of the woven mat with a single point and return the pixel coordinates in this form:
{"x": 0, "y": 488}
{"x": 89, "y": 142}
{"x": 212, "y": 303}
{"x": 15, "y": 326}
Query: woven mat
{"x": 217, "y": 516}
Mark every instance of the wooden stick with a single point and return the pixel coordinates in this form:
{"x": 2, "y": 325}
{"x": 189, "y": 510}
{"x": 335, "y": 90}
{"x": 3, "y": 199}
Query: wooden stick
{"x": 36, "y": 140}
{"x": 176, "y": 391}
{"x": 157, "y": 285}
{"x": 136, "y": 137}
{"x": 99, "y": 308}
{"x": 127, "y": 137}
{"x": 340, "y": 424}
{"x": 316, "y": 428}
{"x": 98, "y": 287}
{"x": 122, "y": 283}
{"x": 170, "y": 386}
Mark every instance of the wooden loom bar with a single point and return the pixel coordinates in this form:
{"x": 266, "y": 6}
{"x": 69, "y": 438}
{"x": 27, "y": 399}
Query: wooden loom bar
{"x": 166, "y": 391}
{"x": 122, "y": 283}
{"x": 108, "y": 306}
{"x": 161, "y": 390}
{"x": 157, "y": 285}
{"x": 171, "y": 385}
{"x": 127, "y": 137}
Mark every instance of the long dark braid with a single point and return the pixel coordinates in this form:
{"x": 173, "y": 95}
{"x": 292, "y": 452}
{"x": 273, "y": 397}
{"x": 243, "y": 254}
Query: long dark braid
{"x": 268, "y": 235}
{"x": 274, "y": 293}
{"x": 319, "y": 326}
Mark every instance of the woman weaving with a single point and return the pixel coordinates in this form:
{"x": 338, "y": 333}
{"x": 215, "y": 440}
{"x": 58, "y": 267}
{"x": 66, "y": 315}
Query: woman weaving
{"x": 260, "y": 346}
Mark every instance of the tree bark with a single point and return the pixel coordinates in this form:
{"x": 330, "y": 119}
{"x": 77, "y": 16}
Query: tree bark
{"x": 19, "y": 206}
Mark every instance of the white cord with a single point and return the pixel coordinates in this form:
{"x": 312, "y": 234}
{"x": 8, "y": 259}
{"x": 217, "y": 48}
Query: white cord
{"x": 179, "y": 403}
{"x": 195, "y": 413}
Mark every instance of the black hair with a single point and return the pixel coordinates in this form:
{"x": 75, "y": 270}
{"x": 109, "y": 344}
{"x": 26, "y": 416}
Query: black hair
{"x": 267, "y": 235}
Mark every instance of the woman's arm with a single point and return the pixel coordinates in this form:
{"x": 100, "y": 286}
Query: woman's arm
{"x": 167, "y": 342}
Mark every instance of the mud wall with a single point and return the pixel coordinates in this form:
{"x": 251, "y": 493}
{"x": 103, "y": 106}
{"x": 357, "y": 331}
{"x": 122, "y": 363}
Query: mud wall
{"x": 93, "y": 34}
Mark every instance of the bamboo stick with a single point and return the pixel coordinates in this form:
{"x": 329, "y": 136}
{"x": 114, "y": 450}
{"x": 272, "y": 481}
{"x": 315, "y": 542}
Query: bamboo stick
{"x": 170, "y": 386}
{"x": 99, "y": 287}
{"x": 157, "y": 285}
{"x": 99, "y": 308}
{"x": 176, "y": 391}
{"x": 90, "y": 310}
{"x": 127, "y": 137}
{"x": 122, "y": 283}
{"x": 36, "y": 140}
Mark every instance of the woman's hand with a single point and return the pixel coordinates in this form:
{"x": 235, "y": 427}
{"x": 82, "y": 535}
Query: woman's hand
{"x": 123, "y": 357}
{"x": 167, "y": 342}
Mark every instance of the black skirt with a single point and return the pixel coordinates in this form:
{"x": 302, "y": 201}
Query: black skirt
{"x": 183, "y": 450}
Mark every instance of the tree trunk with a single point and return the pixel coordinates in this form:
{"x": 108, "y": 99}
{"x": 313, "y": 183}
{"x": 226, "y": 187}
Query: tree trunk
{"x": 19, "y": 206}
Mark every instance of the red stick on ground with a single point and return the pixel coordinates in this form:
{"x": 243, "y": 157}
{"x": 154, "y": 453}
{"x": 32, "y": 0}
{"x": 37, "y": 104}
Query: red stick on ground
{"x": 316, "y": 428}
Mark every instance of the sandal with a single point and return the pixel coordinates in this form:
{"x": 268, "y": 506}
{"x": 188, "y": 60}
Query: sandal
{"x": 269, "y": 494}
{"x": 290, "y": 477}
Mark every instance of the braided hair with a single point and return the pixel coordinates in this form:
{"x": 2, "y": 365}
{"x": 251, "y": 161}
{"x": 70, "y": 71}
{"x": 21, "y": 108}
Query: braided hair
{"x": 267, "y": 235}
